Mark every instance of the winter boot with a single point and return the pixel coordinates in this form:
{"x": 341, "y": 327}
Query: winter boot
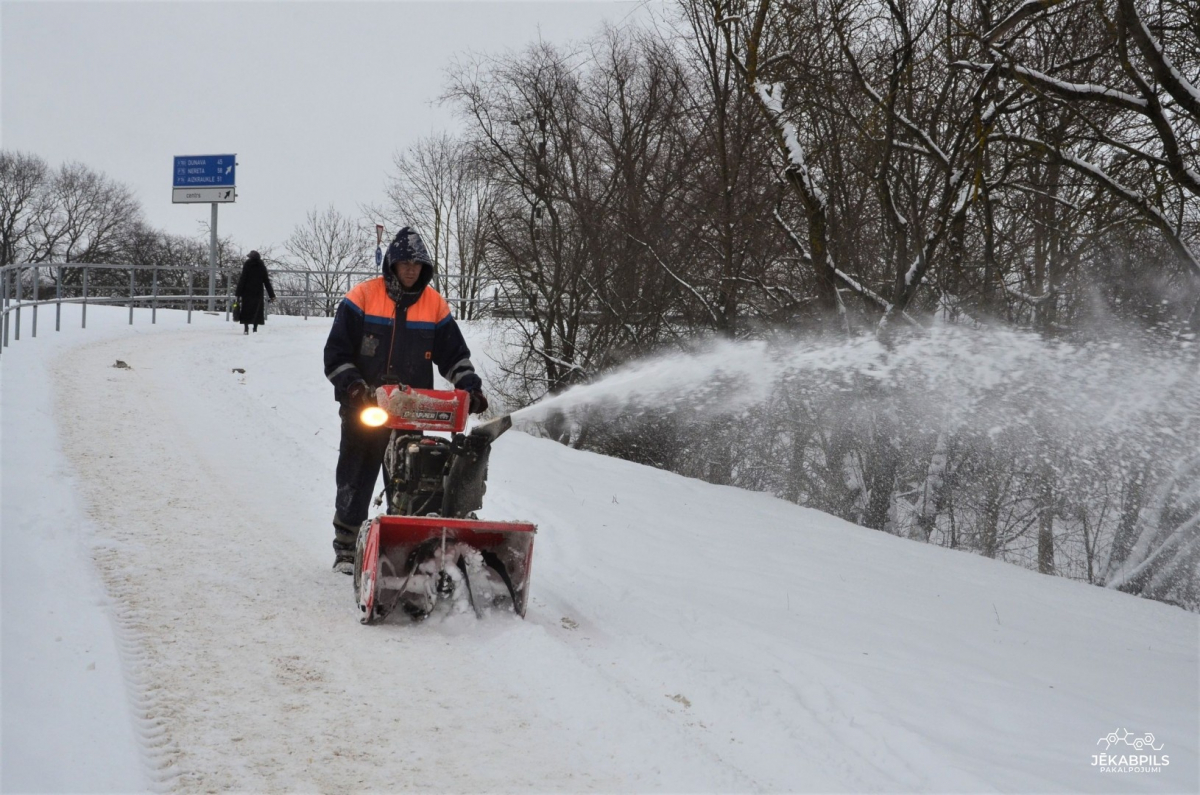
{"x": 344, "y": 539}
{"x": 343, "y": 561}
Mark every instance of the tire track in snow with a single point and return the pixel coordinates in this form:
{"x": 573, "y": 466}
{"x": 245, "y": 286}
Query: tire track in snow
{"x": 151, "y": 725}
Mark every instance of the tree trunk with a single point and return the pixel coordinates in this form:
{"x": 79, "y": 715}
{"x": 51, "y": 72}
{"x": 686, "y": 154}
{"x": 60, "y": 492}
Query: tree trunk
{"x": 881, "y": 479}
{"x": 1046, "y": 521}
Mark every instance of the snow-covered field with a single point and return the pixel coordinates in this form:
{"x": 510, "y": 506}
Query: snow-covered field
{"x": 170, "y": 620}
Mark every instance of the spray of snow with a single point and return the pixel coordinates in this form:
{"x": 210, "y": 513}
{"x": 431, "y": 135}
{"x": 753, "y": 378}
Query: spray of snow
{"x": 1097, "y": 423}
{"x": 946, "y": 379}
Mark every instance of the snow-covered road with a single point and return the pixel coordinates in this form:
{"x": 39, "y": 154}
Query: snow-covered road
{"x": 680, "y": 637}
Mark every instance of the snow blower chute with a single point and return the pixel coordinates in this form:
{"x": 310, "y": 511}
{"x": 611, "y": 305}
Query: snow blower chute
{"x": 430, "y": 546}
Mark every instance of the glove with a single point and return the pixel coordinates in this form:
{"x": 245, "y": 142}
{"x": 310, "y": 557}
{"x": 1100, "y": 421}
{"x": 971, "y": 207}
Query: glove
{"x": 479, "y": 403}
{"x": 358, "y": 394}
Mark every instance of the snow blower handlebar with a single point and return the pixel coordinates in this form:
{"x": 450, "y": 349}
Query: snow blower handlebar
{"x": 406, "y": 408}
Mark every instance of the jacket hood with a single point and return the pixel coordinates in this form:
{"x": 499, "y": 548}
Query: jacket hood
{"x": 407, "y": 246}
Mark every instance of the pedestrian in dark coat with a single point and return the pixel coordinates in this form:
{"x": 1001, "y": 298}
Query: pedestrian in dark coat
{"x": 250, "y": 292}
{"x": 393, "y": 328}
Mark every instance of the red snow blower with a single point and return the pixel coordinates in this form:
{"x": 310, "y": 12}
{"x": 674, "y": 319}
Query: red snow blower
{"x": 430, "y": 546}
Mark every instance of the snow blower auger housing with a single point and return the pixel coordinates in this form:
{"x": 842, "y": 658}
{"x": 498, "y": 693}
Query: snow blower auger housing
{"x": 430, "y": 546}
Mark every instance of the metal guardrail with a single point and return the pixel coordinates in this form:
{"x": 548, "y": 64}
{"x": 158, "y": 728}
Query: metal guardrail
{"x": 86, "y": 291}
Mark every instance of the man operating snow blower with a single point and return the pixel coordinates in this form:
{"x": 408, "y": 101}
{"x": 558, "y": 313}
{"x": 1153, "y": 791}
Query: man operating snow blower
{"x": 389, "y": 330}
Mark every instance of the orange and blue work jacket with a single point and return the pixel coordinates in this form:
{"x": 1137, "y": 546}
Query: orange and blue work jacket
{"x": 375, "y": 339}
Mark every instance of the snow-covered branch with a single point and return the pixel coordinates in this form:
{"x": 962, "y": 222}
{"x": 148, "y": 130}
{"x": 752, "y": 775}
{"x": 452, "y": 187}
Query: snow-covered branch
{"x": 1165, "y": 72}
{"x": 1026, "y": 297}
{"x": 1135, "y": 199}
{"x": 703, "y": 302}
{"x": 1020, "y": 14}
{"x": 770, "y": 98}
{"x": 560, "y": 362}
{"x": 1062, "y": 88}
{"x": 848, "y": 281}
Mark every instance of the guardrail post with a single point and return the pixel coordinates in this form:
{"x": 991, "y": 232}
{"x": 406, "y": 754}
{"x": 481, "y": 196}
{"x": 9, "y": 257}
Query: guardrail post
{"x": 85, "y": 286}
{"x": 228, "y": 294}
{"x": 4, "y": 305}
{"x": 191, "y": 292}
{"x": 17, "y": 336}
{"x": 131, "y": 272}
{"x": 36, "y": 297}
{"x": 307, "y": 294}
{"x": 154, "y": 295}
{"x": 58, "y": 297}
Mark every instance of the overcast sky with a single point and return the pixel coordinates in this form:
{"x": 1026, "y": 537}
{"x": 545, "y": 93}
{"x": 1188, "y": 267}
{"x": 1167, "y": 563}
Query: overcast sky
{"x": 314, "y": 98}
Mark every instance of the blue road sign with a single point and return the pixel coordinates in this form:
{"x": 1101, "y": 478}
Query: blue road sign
{"x": 378, "y": 256}
{"x": 205, "y": 171}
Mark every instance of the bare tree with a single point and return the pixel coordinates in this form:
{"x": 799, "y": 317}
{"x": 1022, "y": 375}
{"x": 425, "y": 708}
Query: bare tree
{"x": 438, "y": 189}
{"x": 23, "y": 182}
{"x": 1131, "y": 93}
{"x": 328, "y": 245}
{"x": 466, "y": 275}
{"x": 524, "y": 111}
{"x": 72, "y": 213}
{"x": 92, "y": 216}
{"x": 423, "y": 192}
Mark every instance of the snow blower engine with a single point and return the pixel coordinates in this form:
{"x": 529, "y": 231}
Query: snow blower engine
{"x": 430, "y": 545}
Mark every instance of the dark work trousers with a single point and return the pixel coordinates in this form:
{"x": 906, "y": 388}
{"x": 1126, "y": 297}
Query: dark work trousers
{"x": 360, "y": 459}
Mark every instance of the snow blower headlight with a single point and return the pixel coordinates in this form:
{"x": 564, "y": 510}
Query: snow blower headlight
{"x": 373, "y": 416}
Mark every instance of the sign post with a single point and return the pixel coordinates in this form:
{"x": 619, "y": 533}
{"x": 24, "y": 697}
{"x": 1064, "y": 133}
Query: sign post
{"x": 206, "y": 179}
{"x": 212, "y": 261}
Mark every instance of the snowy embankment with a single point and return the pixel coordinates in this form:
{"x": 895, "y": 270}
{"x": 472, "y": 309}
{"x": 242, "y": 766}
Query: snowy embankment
{"x": 169, "y": 615}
